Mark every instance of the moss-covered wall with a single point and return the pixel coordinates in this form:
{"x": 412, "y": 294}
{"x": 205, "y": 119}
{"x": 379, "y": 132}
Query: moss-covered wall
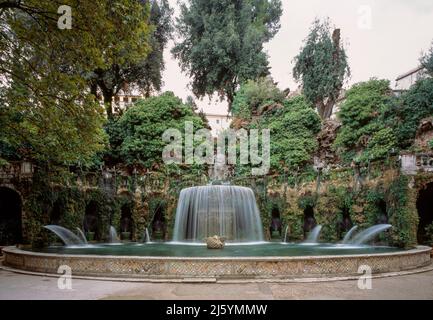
{"x": 364, "y": 196}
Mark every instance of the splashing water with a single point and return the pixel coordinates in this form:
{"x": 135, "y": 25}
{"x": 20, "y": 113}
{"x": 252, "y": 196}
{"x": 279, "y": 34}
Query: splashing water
{"x": 314, "y": 235}
{"x": 365, "y": 236}
{"x": 82, "y": 236}
{"x": 67, "y": 236}
{"x": 349, "y": 235}
{"x": 146, "y": 236}
{"x": 113, "y": 235}
{"x": 286, "y": 234}
{"x": 227, "y": 211}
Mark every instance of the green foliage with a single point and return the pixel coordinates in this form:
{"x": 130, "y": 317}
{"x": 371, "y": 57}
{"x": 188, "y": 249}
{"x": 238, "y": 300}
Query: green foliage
{"x": 222, "y": 42}
{"x": 253, "y": 95}
{"x": 136, "y": 137}
{"x": 322, "y": 67}
{"x": 427, "y": 61}
{"x": 364, "y": 136}
{"x": 415, "y": 105}
{"x": 402, "y": 212}
{"x": 293, "y": 135}
{"x": 47, "y": 112}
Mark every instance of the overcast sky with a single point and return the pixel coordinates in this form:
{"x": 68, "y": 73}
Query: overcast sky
{"x": 383, "y": 39}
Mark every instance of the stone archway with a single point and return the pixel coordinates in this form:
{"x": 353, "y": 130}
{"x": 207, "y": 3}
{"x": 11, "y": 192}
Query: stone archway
{"x": 276, "y": 225}
{"x": 425, "y": 212}
{"x": 309, "y": 220}
{"x": 126, "y": 222}
{"x": 91, "y": 221}
{"x": 10, "y": 217}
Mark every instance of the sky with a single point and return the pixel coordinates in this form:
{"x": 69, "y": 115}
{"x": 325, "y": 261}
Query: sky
{"x": 382, "y": 38}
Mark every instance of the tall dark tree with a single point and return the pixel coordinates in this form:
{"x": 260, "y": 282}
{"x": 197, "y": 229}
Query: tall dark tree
{"x": 222, "y": 43}
{"x": 322, "y": 67}
{"x": 144, "y": 72}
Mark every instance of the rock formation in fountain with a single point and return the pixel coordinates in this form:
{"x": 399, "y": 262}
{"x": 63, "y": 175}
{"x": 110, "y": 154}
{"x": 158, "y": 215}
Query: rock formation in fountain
{"x": 227, "y": 211}
{"x": 67, "y": 236}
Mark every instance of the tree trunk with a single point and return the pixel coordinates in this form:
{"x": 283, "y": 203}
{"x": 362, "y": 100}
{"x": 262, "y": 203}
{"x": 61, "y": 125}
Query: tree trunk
{"x": 108, "y": 103}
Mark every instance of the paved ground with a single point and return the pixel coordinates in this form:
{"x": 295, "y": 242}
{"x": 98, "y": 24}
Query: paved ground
{"x": 17, "y": 286}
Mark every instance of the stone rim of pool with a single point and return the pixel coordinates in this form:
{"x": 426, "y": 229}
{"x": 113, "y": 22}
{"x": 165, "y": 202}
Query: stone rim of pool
{"x": 221, "y": 268}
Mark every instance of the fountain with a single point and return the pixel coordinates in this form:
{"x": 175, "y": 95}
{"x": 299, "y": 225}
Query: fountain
{"x": 113, "y": 235}
{"x": 146, "y": 236}
{"x": 286, "y": 234}
{"x": 67, "y": 236}
{"x": 369, "y": 234}
{"x": 82, "y": 236}
{"x": 349, "y": 235}
{"x": 313, "y": 237}
{"x": 227, "y": 211}
{"x": 230, "y": 211}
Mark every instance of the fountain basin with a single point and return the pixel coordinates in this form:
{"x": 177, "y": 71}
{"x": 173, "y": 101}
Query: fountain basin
{"x": 102, "y": 264}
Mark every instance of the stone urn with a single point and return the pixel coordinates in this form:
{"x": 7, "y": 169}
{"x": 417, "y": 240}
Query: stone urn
{"x": 215, "y": 242}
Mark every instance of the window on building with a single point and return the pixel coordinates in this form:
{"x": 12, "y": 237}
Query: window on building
{"x": 218, "y": 122}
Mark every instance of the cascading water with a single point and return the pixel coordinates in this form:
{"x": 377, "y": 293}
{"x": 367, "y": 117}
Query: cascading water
{"x": 67, "y": 236}
{"x": 82, "y": 236}
{"x": 349, "y": 235}
{"x": 227, "y": 211}
{"x": 369, "y": 234}
{"x": 314, "y": 235}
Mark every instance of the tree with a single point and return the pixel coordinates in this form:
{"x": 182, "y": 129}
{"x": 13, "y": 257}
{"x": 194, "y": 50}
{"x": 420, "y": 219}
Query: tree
{"x": 294, "y": 127}
{"x": 414, "y": 106}
{"x": 139, "y": 131}
{"x": 427, "y": 61}
{"x": 125, "y": 57}
{"x": 222, "y": 43}
{"x": 46, "y": 111}
{"x": 365, "y": 135}
{"x": 322, "y": 67}
{"x": 255, "y": 94}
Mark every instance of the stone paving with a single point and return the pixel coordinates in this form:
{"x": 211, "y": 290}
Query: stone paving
{"x": 18, "y": 286}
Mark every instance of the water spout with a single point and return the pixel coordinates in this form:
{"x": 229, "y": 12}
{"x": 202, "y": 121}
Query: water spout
{"x": 369, "y": 234}
{"x": 227, "y": 211}
{"x": 286, "y": 234}
{"x": 146, "y": 236}
{"x": 82, "y": 236}
{"x": 67, "y": 236}
{"x": 349, "y": 235}
{"x": 113, "y": 235}
{"x": 314, "y": 235}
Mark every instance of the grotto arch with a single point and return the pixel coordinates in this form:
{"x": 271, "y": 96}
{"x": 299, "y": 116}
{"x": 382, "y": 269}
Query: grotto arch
{"x": 91, "y": 221}
{"x": 10, "y": 217}
{"x": 159, "y": 226}
{"x": 345, "y": 224}
{"x": 425, "y": 213}
{"x": 56, "y": 213}
{"x": 126, "y": 222}
{"x": 309, "y": 220}
{"x": 276, "y": 225}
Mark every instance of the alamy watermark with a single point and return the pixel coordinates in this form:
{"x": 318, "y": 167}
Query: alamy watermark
{"x": 65, "y": 20}
{"x": 365, "y": 281}
{"x": 199, "y": 148}
{"x": 65, "y": 280}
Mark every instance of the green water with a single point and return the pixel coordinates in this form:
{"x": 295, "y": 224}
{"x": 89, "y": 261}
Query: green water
{"x": 196, "y": 251}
